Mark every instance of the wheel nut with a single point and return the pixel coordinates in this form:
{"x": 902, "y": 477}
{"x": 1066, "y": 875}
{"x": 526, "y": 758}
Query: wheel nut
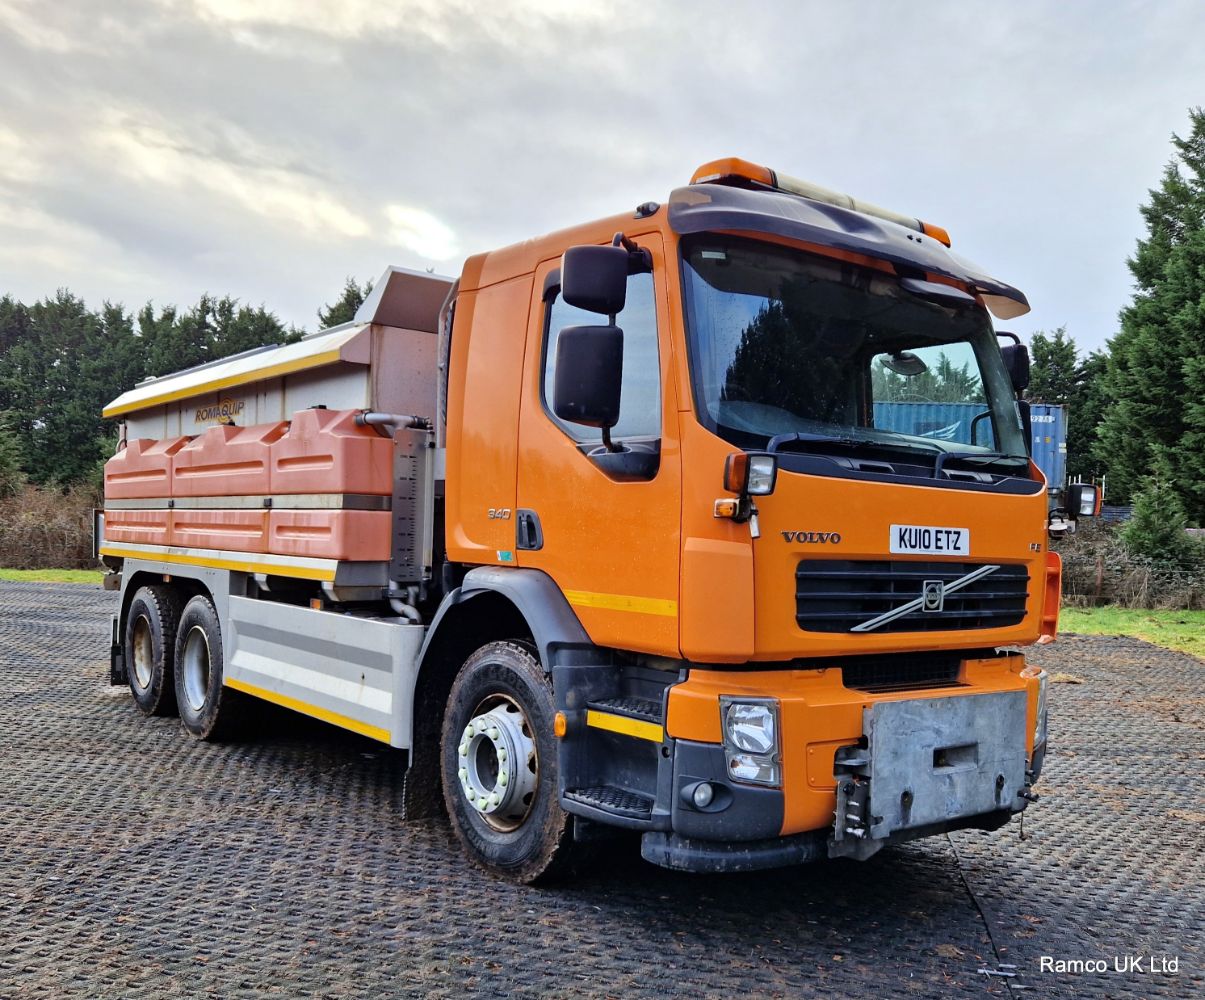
{"x": 502, "y": 753}
{"x": 503, "y": 778}
{"x": 492, "y": 732}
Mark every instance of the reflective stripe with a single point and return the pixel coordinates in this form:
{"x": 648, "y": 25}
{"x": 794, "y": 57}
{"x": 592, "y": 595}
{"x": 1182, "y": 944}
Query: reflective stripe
{"x": 334, "y": 718}
{"x": 623, "y": 602}
{"x": 242, "y": 378}
{"x": 304, "y": 569}
{"x": 622, "y": 724}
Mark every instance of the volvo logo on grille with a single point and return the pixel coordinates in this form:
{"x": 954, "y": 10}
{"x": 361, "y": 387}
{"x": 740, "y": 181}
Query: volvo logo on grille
{"x": 934, "y": 593}
{"x": 932, "y": 598}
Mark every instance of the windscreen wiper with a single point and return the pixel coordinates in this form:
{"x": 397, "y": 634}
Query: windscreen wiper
{"x": 981, "y": 457}
{"x": 779, "y": 440}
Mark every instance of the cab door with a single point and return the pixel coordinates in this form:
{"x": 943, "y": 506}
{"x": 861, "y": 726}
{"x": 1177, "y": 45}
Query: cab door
{"x": 610, "y": 537}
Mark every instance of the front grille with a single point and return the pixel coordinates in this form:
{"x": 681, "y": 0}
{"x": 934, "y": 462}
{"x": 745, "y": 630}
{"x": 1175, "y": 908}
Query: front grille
{"x": 835, "y": 595}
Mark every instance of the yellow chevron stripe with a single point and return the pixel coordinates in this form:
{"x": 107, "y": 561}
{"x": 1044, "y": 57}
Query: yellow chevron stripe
{"x": 334, "y": 718}
{"x": 623, "y": 602}
{"x": 221, "y": 562}
{"x": 627, "y": 727}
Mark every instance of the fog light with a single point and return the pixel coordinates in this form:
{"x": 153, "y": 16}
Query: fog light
{"x": 702, "y": 795}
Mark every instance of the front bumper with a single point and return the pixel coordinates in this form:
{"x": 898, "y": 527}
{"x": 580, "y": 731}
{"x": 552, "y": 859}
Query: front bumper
{"x": 860, "y": 769}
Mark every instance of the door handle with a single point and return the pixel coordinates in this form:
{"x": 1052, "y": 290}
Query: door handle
{"x": 528, "y": 533}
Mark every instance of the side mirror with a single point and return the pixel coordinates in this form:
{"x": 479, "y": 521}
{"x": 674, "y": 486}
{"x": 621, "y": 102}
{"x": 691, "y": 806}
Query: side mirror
{"x": 1081, "y": 500}
{"x": 1016, "y": 361}
{"x": 595, "y": 279}
{"x": 589, "y": 372}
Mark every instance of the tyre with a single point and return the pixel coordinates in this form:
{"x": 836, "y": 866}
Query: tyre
{"x": 498, "y": 759}
{"x": 150, "y": 649}
{"x": 208, "y": 709}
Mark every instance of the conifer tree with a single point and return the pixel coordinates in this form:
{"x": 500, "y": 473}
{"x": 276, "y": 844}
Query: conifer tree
{"x": 1155, "y": 378}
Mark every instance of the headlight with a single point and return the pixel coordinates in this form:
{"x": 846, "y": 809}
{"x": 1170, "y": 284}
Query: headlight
{"x": 750, "y": 726}
{"x": 751, "y": 739}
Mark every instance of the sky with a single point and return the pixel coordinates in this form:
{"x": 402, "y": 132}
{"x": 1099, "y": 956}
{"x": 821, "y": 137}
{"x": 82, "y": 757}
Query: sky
{"x": 154, "y": 150}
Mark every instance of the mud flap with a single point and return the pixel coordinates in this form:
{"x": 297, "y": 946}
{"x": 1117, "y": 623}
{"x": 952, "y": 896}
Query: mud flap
{"x": 928, "y": 762}
{"x": 117, "y": 659}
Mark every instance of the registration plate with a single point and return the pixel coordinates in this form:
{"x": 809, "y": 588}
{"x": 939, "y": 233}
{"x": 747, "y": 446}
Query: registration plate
{"x": 921, "y": 539}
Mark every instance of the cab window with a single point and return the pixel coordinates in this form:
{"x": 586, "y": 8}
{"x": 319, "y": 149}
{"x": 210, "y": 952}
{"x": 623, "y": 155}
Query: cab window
{"x": 640, "y": 390}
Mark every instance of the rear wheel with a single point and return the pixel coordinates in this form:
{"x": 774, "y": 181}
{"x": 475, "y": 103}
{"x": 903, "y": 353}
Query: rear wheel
{"x": 499, "y": 765}
{"x": 208, "y": 709}
{"x": 150, "y": 649}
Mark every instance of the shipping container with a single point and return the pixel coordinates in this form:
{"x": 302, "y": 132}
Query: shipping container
{"x": 956, "y": 422}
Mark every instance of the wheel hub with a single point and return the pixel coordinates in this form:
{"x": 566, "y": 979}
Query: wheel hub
{"x": 497, "y": 764}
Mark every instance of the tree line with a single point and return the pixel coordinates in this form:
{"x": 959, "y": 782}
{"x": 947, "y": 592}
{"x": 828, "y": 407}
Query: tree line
{"x": 61, "y": 362}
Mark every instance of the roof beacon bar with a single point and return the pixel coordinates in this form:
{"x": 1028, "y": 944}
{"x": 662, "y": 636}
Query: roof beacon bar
{"x": 733, "y": 169}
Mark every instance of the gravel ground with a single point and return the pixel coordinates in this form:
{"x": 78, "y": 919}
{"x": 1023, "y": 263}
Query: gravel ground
{"x": 135, "y": 862}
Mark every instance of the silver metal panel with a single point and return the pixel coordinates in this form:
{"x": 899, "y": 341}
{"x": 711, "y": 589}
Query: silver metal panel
{"x": 339, "y": 386}
{"x": 413, "y": 506}
{"x": 936, "y": 759}
{"x": 405, "y": 298}
{"x": 403, "y": 371}
{"x": 359, "y": 668}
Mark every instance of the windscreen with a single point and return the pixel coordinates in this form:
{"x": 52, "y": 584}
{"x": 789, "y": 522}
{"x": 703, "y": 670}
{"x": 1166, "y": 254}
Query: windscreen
{"x": 789, "y": 349}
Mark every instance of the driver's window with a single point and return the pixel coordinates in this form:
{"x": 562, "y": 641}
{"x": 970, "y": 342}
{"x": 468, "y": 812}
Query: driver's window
{"x": 640, "y": 391}
{"x": 932, "y": 391}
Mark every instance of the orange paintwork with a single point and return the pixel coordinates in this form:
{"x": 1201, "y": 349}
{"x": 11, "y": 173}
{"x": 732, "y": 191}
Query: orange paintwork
{"x": 587, "y": 518}
{"x": 325, "y": 451}
{"x": 1052, "y": 596}
{"x": 483, "y": 416}
{"x": 862, "y": 514}
{"x": 349, "y": 535}
{"x": 143, "y": 468}
{"x": 226, "y": 461}
{"x": 819, "y": 715}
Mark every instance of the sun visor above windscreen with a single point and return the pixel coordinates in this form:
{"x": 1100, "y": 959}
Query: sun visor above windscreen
{"x": 721, "y": 208}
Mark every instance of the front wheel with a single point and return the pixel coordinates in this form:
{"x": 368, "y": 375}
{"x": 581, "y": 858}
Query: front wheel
{"x": 499, "y": 763}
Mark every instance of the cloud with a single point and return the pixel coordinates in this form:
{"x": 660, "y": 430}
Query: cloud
{"x": 258, "y": 181}
{"x": 421, "y": 232}
{"x": 31, "y": 22}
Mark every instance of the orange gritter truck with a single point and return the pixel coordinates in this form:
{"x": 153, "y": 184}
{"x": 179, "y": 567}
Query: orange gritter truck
{"x": 605, "y": 536}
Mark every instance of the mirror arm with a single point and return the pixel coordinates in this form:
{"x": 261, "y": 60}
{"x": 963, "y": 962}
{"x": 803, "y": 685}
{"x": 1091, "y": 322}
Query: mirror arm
{"x": 636, "y": 253}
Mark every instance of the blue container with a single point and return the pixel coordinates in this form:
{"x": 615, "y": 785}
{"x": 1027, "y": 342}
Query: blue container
{"x": 952, "y": 422}
{"x": 1049, "y": 443}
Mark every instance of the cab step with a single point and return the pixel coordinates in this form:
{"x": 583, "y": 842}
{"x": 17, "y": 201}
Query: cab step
{"x": 633, "y": 717}
{"x": 616, "y": 802}
{"x": 631, "y": 708}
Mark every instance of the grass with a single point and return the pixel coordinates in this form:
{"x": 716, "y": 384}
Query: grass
{"x": 52, "y": 575}
{"x": 1182, "y": 630}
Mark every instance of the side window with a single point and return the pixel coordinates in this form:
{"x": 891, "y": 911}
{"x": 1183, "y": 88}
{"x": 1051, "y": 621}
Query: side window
{"x": 640, "y": 393}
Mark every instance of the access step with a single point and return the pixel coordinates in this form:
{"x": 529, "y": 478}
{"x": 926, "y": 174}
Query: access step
{"x": 632, "y": 708}
{"x": 614, "y": 801}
